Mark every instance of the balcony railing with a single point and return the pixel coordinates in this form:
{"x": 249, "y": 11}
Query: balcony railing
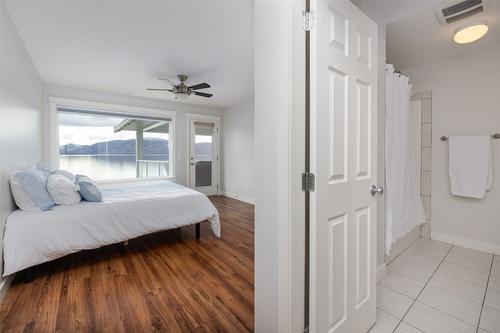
{"x": 151, "y": 168}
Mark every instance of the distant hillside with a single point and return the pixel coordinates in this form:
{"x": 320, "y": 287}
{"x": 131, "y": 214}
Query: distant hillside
{"x": 124, "y": 147}
{"x": 152, "y": 146}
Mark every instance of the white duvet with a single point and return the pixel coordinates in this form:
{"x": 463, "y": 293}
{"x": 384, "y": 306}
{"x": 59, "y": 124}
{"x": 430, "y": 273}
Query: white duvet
{"x": 128, "y": 210}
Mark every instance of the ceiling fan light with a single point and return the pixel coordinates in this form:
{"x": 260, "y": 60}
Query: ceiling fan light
{"x": 181, "y": 95}
{"x": 470, "y": 33}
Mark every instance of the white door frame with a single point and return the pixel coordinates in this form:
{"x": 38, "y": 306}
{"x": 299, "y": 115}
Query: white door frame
{"x": 190, "y": 118}
{"x": 279, "y": 161}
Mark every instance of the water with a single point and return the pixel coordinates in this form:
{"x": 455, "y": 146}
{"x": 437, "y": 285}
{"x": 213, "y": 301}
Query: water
{"x": 116, "y": 166}
{"x": 103, "y": 167}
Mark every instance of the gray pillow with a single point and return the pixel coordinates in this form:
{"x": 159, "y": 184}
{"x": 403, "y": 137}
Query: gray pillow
{"x": 88, "y": 189}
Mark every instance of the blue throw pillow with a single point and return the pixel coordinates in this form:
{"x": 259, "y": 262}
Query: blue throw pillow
{"x": 41, "y": 171}
{"x": 35, "y": 186}
{"x": 88, "y": 189}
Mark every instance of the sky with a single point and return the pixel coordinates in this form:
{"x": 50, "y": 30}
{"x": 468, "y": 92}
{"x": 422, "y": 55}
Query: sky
{"x": 89, "y": 129}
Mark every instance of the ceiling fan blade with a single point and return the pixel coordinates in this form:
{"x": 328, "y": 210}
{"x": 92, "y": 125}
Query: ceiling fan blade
{"x": 202, "y": 94}
{"x": 164, "y": 79}
{"x": 160, "y": 89}
{"x": 200, "y": 86}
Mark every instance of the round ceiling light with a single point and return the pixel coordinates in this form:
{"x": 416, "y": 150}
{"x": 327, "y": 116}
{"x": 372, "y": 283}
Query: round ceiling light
{"x": 471, "y": 32}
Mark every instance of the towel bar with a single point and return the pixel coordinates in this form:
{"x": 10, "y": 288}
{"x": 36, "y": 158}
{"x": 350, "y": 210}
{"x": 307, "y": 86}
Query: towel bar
{"x": 493, "y": 136}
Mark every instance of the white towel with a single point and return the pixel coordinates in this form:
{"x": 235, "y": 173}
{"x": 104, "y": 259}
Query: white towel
{"x": 470, "y": 165}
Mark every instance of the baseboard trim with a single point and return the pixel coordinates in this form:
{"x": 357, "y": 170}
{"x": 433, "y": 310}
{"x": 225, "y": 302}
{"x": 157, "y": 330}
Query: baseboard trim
{"x": 381, "y": 272}
{"x": 239, "y": 197}
{"x": 466, "y": 242}
{"x": 4, "y": 285}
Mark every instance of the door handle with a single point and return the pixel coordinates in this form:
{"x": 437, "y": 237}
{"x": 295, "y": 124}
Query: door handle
{"x": 376, "y": 190}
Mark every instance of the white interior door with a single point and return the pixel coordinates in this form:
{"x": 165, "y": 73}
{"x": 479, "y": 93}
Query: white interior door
{"x": 344, "y": 160}
{"x": 204, "y": 155}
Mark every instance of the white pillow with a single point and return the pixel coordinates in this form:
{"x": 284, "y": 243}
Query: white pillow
{"x": 22, "y": 199}
{"x": 67, "y": 174}
{"x": 62, "y": 190}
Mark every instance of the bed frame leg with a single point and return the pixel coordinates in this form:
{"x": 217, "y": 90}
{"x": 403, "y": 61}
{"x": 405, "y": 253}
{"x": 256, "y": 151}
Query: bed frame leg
{"x": 27, "y": 275}
{"x": 198, "y": 231}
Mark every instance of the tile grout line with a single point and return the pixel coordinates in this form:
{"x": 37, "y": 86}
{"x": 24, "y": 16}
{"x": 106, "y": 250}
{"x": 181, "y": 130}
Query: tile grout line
{"x": 468, "y": 267}
{"x": 399, "y": 255}
{"x": 485, "y": 292}
{"x": 425, "y": 285}
{"x": 452, "y": 293}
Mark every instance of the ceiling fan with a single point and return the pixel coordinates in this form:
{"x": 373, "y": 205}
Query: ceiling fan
{"x": 181, "y": 90}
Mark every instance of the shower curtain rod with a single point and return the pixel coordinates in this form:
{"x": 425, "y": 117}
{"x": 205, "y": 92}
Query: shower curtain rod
{"x": 493, "y": 136}
{"x": 397, "y": 71}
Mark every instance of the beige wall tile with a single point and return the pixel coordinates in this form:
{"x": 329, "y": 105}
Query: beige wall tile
{"x": 426, "y": 160}
{"x": 426, "y": 201}
{"x": 426, "y": 135}
{"x": 425, "y": 183}
{"x": 426, "y": 110}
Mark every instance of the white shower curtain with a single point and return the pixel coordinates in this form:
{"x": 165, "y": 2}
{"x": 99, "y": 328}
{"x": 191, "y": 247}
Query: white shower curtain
{"x": 404, "y": 210}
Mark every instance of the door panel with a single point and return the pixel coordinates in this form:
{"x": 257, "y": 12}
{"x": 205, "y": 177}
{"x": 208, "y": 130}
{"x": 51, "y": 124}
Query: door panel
{"x": 343, "y": 157}
{"x": 338, "y": 123}
{"x": 337, "y": 271}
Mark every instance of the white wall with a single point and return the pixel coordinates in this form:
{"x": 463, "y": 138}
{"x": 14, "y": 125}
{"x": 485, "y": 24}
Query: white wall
{"x": 94, "y": 96}
{"x": 465, "y": 101}
{"x": 238, "y": 164}
{"x": 20, "y": 113}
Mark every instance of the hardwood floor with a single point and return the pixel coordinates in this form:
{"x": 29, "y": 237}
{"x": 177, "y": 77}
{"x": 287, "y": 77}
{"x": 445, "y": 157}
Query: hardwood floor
{"x": 165, "y": 282}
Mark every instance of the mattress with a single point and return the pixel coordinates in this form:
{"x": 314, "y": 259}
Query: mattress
{"x": 128, "y": 210}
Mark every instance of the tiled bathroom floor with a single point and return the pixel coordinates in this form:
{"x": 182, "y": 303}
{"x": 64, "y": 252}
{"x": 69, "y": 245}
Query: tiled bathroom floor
{"x": 437, "y": 287}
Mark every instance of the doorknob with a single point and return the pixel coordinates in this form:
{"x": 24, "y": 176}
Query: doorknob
{"x": 376, "y": 190}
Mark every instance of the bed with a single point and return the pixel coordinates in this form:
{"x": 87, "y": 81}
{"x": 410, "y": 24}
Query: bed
{"x": 128, "y": 210}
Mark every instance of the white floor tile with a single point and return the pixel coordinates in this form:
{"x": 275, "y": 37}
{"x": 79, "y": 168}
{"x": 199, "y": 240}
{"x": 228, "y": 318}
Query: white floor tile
{"x": 476, "y": 260}
{"x": 494, "y": 283}
{"x": 430, "y": 248}
{"x": 393, "y": 302}
{"x": 463, "y": 273}
{"x": 431, "y": 320}
{"x": 415, "y": 266}
{"x": 458, "y": 287}
{"x": 405, "y": 328}
{"x": 451, "y": 304}
{"x": 385, "y": 323}
{"x": 490, "y": 320}
{"x": 492, "y": 299}
{"x": 403, "y": 284}
{"x": 480, "y": 330}
{"x": 495, "y": 269}
{"x": 418, "y": 260}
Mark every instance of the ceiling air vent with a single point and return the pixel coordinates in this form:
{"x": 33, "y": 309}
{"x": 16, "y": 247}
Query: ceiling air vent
{"x": 459, "y": 11}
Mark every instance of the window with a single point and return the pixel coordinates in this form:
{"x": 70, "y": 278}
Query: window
{"x": 114, "y": 146}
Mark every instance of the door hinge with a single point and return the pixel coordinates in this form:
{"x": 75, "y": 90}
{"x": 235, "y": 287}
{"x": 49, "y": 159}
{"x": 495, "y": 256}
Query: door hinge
{"x": 308, "y": 182}
{"x": 308, "y": 20}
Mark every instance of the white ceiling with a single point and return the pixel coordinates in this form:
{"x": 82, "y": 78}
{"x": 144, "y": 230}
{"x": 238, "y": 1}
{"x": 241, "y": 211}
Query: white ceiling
{"x": 414, "y": 35}
{"x": 420, "y": 38}
{"x": 122, "y": 46}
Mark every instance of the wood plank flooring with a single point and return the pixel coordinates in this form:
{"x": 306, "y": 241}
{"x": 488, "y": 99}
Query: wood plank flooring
{"x": 165, "y": 282}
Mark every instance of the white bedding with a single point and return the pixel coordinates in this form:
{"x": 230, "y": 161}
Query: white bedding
{"x": 128, "y": 210}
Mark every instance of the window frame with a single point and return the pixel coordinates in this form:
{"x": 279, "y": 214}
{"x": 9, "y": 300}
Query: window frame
{"x": 113, "y": 109}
